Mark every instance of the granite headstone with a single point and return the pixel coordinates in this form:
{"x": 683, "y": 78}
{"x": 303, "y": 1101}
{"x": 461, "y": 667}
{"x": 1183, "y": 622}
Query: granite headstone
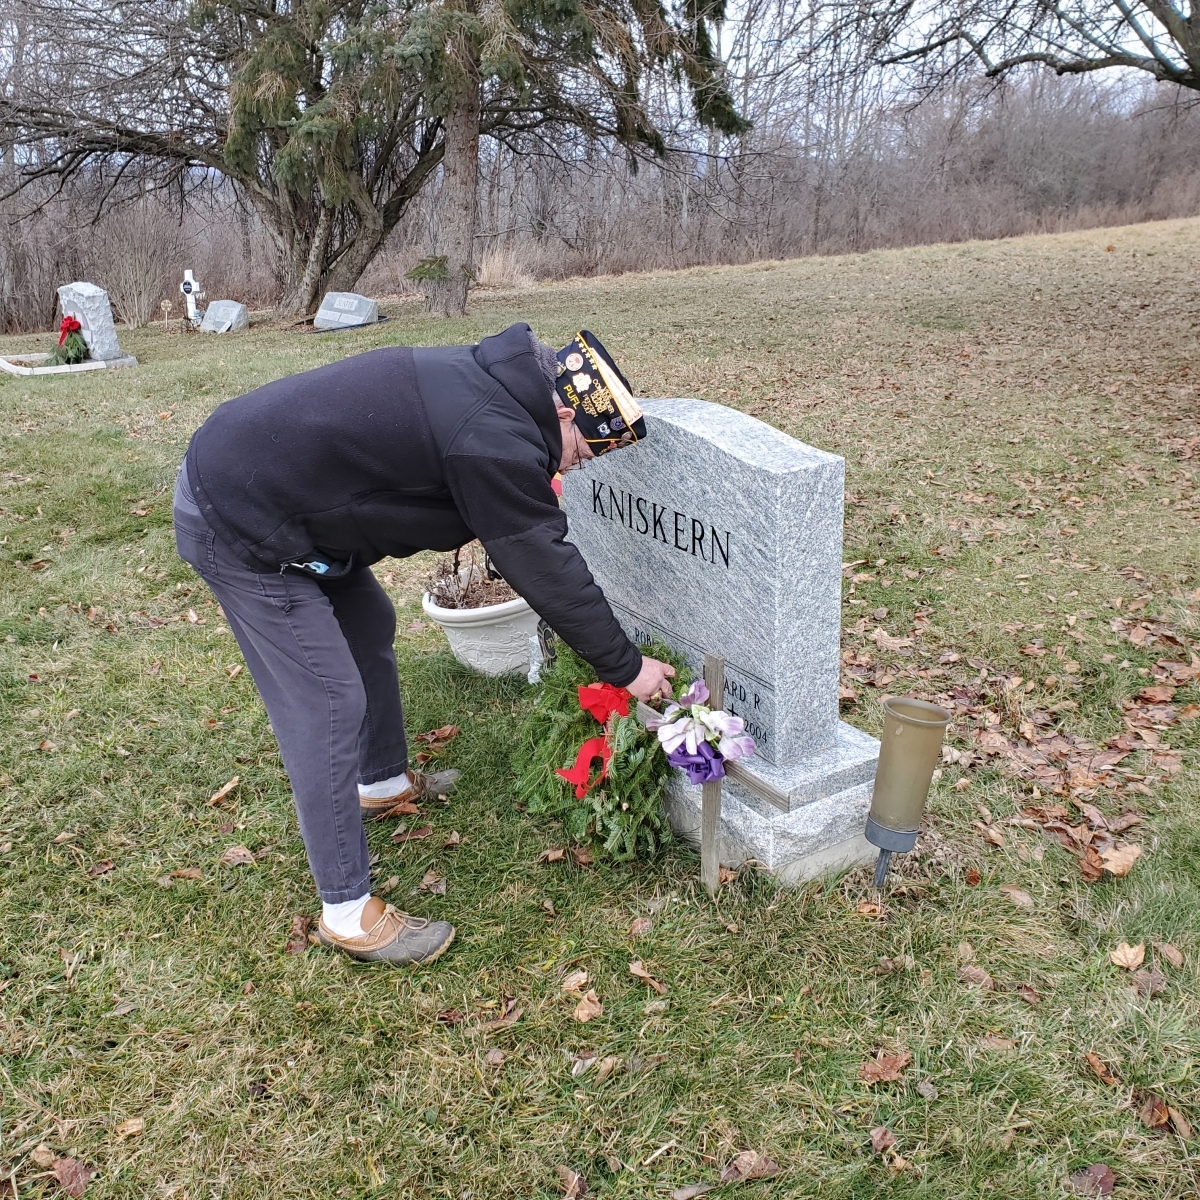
{"x": 89, "y": 305}
{"x": 342, "y": 309}
{"x": 225, "y": 316}
{"x": 721, "y": 534}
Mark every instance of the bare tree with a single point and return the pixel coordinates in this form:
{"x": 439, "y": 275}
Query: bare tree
{"x": 1073, "y": 37}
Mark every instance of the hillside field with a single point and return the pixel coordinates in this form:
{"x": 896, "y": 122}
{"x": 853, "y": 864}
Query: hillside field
{"x": 1019, "y": 421}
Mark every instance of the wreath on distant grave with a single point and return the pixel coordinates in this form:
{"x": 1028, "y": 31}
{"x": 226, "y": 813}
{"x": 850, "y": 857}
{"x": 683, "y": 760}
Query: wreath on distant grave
{"x": 618, "y": 804}
{"x": 71, "y": 349}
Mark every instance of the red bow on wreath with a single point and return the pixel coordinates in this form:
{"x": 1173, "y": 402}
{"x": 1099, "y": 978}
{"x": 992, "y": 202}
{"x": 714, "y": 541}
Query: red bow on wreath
{"x": 602, "y": 700}
{"x": 69, "y": 325}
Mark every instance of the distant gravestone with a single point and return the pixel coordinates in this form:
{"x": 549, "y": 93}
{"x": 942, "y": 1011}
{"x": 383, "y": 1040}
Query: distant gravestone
{"x": 720, "y": 534}
{"x": 89, "y": 305}
{"x": 225, "y": 316}
{"x": 341, "y": 309}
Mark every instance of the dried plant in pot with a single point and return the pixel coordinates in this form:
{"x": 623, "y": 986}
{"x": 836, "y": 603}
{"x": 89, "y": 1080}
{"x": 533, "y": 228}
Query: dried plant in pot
{"x": 489, "y": 627}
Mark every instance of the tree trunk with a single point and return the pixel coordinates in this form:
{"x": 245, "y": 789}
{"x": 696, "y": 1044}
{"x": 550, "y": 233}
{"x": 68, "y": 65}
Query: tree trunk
{"x": 457, "y": 207}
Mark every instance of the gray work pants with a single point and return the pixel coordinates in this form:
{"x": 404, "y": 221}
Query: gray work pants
{"x": 322, "y": 656}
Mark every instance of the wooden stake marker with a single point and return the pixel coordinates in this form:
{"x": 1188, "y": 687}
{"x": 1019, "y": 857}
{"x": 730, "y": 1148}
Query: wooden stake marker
{"x": 710, "y": 796}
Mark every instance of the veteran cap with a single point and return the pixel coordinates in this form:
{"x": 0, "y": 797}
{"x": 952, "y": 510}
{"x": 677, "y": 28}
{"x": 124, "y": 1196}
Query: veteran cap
{"x": 591, "y": 384}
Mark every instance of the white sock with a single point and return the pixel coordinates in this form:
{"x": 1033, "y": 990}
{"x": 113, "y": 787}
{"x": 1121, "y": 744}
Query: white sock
{"x": 384, "y": 788}
{"x": 343, "y": 919}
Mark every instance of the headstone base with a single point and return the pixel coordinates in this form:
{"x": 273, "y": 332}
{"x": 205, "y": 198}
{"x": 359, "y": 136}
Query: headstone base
{"x": 29, "y": 364}
{"x": 820, "y": 833}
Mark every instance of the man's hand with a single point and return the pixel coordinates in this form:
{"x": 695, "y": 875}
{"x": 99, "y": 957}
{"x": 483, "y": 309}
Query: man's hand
{"x": 651, "y": 679}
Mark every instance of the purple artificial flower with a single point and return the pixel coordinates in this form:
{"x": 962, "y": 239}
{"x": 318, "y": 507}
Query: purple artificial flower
{"x": 703, "y": 766}
{"x": 697, "y": 693}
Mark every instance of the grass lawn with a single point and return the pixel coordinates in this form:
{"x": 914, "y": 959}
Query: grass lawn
{"x": 1015, "y": 418}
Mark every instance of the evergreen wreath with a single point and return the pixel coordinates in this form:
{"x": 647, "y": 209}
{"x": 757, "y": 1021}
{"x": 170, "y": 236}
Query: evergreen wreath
{"x": 622, "y": 813}
{"x": 71, "y": 349}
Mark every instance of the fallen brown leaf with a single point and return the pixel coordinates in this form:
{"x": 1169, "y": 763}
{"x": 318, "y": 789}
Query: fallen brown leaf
{"x": 1155, "y": 1113}
{"x": 130, "y": 1128}
{"x": 639, "y": 971}
{"x": 432, "y": 882}
{"x": 510, "y": 1014}
{"x": 749, "y": 1164}
{"x": 187, "y": 873}
{"x": 882, "y": 1139}
{"x": 452, "y": 839}
{"x": 101, "y": 868}
{"x": 1018, "y": 895}
{"x": 927, "y": 1090}
{"x": 1029, "y": 994}
{"x": 1149, "y": 982}
{"x": 970, "y": 973}
{"x": 582, "y": 856}
{"x": 72, "y": 1175}
{"x": 1101, "y": 1068}
{"x": 553, "y": 855}
{"x": 640, "y": 927}
{"x": 884, "y": 1068}
{"x": 495, "y": 1057}
{"x": 1128, "y": 957}
{"x": 1126, "y": 820}
{"x": 451, "y": 1017}
{"x": 548, "y": 907}
{"x": 692, "y": 1191}
{"x": 1096, "y": 1180}
{"x": 412, "y": 835}
{"x": 1091, "y": 865}
{"x": 1160, "y": 693}
{"x": 575, "y": 982}
{"x": 43, "y": 1156}
{"x": 406, "y": 808}
{"x": 990, "y": 834}
{"x": 993, "y": 1041}
{"x": 868, "y": 908}
{"x": 726, "y": 875}
{"x": 588, "y": 1007}
{"x": 973, "y": 877}
{"x": 435, "y": 739}
{"x": 1119, "y": 860}
{"x": 297, "y": 941}
{"x": 1180, "y": 1124}
{"x": 607, "y": 1067}
{"x": 1172, "y": 954}
{"x": 237, "y": 856}
{"x": 573, "y": 1184}
{"x": 223, "y": 791}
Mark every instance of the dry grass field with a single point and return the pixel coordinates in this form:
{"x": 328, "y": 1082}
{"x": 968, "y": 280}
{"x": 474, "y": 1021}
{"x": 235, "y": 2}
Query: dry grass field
{"x": 1019, "y": 421}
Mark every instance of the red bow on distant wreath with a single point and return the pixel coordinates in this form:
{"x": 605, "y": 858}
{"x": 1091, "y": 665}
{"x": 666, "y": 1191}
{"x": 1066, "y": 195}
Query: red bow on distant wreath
{"x": 602, "y": 700}
{"x": 580, "y": 773}
{"x": 69, "y": 325}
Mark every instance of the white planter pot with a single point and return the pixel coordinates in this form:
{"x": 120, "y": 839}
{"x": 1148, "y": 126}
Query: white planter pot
{"x": 496, "y": 639}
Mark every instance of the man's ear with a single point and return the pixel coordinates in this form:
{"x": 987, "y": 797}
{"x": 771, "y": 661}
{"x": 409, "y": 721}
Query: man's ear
{"x": 566, "y": 415}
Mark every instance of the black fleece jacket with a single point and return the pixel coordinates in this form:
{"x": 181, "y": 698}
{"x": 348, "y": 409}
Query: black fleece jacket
{"x": 399, "y": 450}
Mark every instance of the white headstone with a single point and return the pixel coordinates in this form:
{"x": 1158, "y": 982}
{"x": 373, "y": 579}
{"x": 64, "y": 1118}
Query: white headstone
{"x": 720, "y": 534}
{"x": 225, "y": 316}
{"x": 89, "y": 305}
{"x": 340, "y": 309}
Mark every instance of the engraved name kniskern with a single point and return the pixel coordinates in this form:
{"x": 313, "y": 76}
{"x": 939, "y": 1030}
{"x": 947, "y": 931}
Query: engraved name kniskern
{"x": 667, "y": 525}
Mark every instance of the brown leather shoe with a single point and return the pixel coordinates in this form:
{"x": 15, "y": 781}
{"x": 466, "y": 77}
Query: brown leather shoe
{"x": 421, "y": 785}
{"x": 395, "y": 938}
